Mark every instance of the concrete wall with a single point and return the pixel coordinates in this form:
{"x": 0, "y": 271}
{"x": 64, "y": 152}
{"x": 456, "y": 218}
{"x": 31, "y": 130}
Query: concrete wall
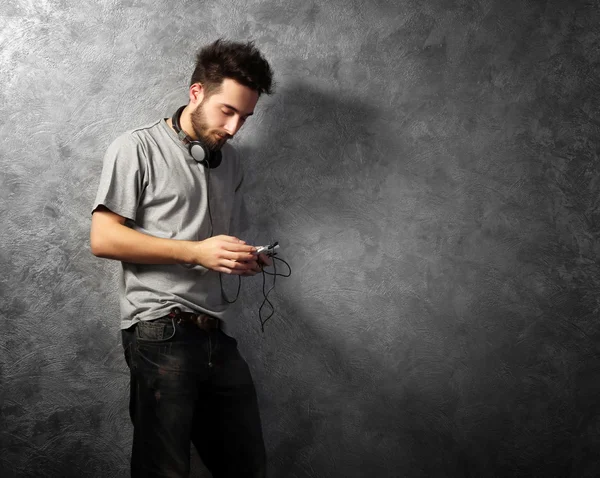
{"x": 430, "y": 169}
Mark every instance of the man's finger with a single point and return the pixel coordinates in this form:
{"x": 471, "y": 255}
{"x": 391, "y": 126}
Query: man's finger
{"x": 233, "y": 272}
{"x": 266, "y": 260}
{"x": 235, "y": 265}
{"x": 231, "y": 247}
{"x": 238, "y": 256}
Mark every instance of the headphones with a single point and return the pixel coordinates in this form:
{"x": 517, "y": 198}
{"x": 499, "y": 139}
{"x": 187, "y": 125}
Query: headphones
{"x": 199, "y": 151}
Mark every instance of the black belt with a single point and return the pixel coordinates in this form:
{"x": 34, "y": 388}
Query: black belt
{"x": 205, "y": 322}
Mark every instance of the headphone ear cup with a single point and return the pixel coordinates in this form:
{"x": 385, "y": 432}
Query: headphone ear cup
{"x": 199, "y": 152}
{"x": 204, "y": 156}
{"x": 215, "y": 159}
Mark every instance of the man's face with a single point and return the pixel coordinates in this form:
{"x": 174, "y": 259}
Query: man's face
{"x": 220, "y": 115}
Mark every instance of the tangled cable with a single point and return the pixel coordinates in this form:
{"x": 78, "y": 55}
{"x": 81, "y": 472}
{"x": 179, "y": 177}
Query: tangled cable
{"x": 265, "y": 293}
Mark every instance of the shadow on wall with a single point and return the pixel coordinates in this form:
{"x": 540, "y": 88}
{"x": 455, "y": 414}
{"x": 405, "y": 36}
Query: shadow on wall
{"x": 337, "y": 381}
{"x": 308, "y": 145}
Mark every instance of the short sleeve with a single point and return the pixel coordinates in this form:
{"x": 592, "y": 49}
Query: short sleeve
{"x": 123, "y": 177}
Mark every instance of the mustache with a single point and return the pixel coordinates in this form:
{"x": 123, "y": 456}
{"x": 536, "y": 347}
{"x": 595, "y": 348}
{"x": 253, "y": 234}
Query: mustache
{"x": 223, "y": 134}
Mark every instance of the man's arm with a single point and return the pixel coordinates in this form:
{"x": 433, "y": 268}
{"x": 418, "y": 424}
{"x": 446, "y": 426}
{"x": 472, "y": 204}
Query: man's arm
{"x": 111, "y": 239}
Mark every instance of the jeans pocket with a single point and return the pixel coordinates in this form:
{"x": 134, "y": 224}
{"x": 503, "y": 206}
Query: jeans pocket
{"x": 155, "y": 331}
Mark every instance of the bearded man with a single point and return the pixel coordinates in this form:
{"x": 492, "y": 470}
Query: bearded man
{"x": 168, "y": 200}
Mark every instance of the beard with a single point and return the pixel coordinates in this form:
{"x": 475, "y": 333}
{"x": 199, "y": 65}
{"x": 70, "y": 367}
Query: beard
{"x": 213, "y": 139}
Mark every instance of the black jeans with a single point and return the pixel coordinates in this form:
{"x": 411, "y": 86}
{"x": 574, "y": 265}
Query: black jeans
{"x": 189, "y": 385}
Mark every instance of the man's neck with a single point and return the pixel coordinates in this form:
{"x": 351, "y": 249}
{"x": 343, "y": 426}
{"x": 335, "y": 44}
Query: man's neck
{"x": 186, "y": 123}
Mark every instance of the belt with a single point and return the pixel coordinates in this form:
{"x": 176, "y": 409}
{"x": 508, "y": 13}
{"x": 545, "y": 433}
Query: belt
{"x": 205, "y": 322}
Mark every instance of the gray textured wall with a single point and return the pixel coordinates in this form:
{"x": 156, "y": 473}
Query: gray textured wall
{"x": 431, "y": 171}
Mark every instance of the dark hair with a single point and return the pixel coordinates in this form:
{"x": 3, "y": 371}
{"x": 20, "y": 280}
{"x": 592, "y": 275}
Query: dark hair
{"x": 241, "y": 62}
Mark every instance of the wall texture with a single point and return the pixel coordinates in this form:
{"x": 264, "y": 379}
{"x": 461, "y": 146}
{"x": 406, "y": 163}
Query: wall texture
{"x": 431, "y": 170}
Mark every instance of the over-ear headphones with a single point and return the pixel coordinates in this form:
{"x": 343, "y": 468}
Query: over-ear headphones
{"x": 199, "y": 151}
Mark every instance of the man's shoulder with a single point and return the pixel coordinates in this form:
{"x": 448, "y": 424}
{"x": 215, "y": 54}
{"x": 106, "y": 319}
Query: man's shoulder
{"x": 148, "y": 130}
{"x": 140, "y": 136}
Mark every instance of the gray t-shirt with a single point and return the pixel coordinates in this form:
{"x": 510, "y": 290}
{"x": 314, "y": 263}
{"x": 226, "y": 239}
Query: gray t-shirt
{"x": 150, "y": 178}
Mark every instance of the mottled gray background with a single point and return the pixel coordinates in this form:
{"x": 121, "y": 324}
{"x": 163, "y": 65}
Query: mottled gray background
{"x": 430, "y": 168}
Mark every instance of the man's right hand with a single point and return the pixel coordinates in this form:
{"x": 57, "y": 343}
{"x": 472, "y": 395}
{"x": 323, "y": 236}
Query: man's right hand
{"x": 226, "y": 254}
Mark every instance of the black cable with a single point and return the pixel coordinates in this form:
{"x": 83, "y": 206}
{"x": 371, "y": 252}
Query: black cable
{"x": 210, "y": 235}
{"x": 264, "y": 273}
{"x": 208, "y": 199}
{"x": 266, "y": 295}
{"x": 223, "y": 290}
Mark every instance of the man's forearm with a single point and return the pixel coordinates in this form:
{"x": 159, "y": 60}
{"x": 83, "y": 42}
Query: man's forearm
{"x": 111, "y": 238}
{"x": 119, "y": 242}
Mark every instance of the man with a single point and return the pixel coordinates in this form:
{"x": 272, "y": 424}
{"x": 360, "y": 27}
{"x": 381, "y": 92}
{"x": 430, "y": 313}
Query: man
{"x": 169, "y": 195}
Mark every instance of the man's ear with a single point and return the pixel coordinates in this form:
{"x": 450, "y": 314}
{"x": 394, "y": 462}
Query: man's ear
{"x": 196, "y": 94}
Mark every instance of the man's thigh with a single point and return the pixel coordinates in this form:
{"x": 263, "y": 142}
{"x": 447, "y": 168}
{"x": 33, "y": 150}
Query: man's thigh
{"x": 227, "y": 429}
{"x": 167, "y": 363}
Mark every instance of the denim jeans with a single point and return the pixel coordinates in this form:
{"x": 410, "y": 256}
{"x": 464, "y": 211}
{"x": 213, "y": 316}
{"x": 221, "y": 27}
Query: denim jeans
{"x": 191, "y": 386}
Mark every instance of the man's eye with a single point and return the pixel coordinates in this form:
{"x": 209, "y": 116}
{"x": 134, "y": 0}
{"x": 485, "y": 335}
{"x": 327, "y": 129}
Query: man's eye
{"x": 227, "y": 112}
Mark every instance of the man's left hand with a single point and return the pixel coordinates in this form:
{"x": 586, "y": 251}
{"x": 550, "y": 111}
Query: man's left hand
{"x": 261, "y": 261}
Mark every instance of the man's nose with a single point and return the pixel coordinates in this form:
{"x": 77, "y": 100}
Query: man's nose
{"x": 233, "y": 125}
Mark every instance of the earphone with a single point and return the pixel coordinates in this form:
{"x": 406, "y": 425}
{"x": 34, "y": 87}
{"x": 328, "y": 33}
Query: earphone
{"x": 198, "y": 150}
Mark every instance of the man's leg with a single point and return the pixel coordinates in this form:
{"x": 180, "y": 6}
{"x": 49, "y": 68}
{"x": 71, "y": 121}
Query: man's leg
{"x": 165, "y": 360}
{"x": 227, "y": 431}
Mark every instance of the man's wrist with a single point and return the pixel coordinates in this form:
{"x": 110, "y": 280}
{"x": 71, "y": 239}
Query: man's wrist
{"x": 186, "y": 252}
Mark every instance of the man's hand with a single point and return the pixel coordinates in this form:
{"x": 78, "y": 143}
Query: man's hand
{"x": 257, "y": 264}
{"x": 226, "y": 254}
{"x": 264, "y": 260}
